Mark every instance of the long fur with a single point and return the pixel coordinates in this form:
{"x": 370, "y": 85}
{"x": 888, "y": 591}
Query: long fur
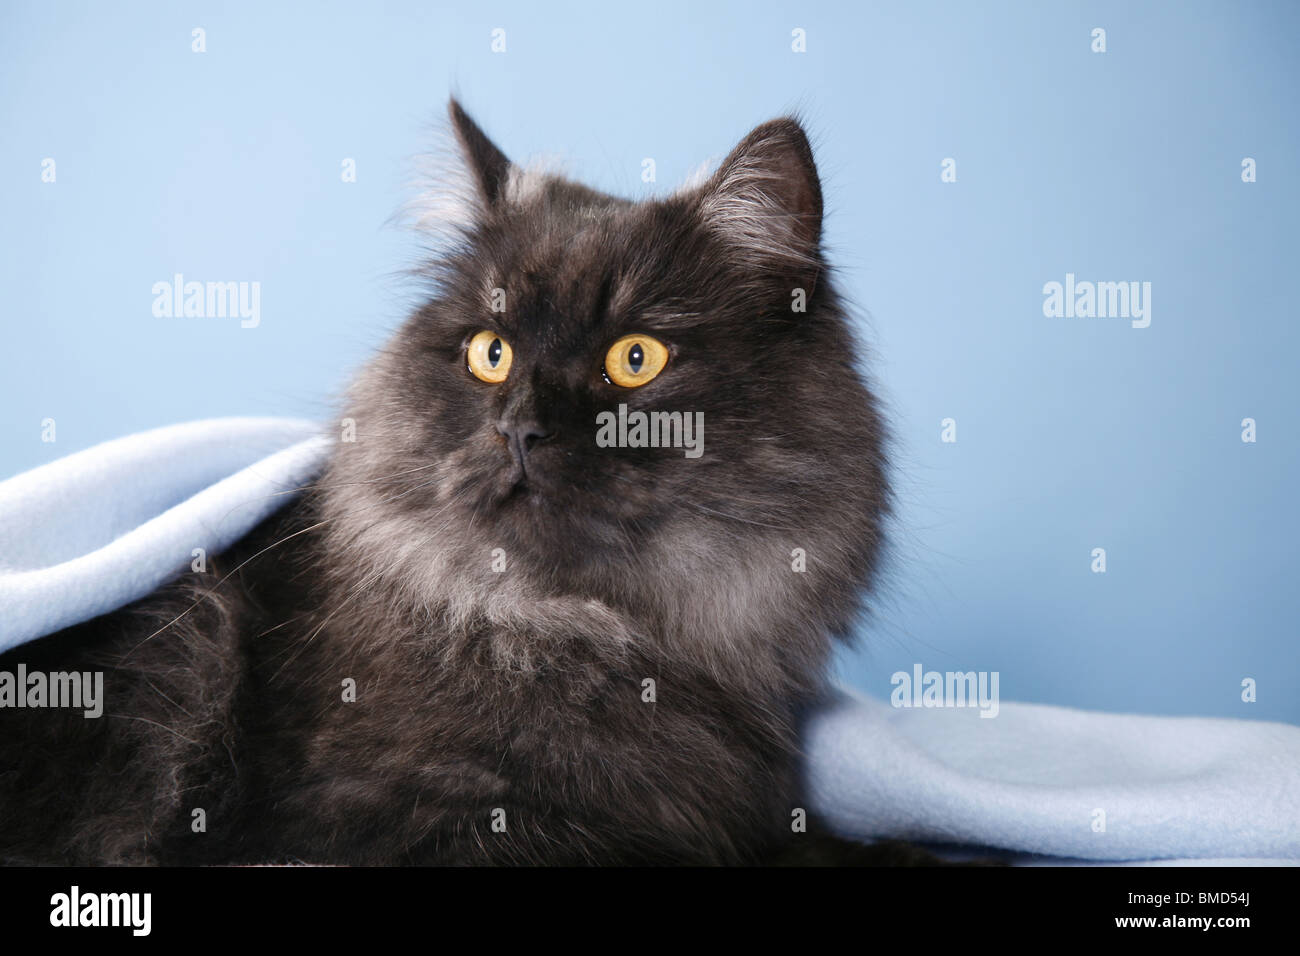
{"x": 503, "y": 715}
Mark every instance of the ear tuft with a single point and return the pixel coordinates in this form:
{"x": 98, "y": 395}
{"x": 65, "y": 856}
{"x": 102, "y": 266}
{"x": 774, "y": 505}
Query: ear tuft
{"x": 766, "y": 197}
{"x": 487, "y": 165}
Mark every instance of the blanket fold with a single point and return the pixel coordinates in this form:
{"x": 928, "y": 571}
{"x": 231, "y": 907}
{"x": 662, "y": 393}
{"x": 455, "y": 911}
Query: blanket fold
{"x": 1050, "y": 780}
{"x": 89, "y": 533}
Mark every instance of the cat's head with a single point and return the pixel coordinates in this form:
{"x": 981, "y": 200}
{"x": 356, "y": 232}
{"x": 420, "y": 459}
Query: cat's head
{"x": 497, "y": 434}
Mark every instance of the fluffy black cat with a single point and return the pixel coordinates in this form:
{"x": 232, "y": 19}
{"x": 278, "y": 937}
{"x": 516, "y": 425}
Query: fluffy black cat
{"x": 484, "y": 636}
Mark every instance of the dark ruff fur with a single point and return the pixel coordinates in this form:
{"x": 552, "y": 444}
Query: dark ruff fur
{"x": 520, "y": 690}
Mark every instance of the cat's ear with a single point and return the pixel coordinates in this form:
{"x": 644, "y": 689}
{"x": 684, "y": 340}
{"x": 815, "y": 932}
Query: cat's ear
{"x": 487, "y": 166}
{"x": 766, "y": 197}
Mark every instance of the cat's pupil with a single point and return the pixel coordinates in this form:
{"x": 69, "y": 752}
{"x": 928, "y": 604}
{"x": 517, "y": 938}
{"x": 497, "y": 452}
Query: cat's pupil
{"x": 494, "y": 353}
{"x": 635, "y": 358}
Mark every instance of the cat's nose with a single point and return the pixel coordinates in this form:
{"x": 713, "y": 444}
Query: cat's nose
{"x": 523, "y": 436}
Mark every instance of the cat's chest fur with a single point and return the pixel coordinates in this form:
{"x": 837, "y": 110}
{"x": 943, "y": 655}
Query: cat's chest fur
{"x": 277, "y": 716}
{"x": 575, "y": 735}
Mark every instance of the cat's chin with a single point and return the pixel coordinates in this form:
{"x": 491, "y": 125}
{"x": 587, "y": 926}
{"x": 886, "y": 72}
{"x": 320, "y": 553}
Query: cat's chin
{"x": 516, "y": 491}
{"x": 523, "y": 494}
{"x": 552, "y": 529}
{"x": 527, "y": 509}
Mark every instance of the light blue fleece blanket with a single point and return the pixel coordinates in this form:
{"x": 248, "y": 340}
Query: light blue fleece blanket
{"x": 91, "y": 532}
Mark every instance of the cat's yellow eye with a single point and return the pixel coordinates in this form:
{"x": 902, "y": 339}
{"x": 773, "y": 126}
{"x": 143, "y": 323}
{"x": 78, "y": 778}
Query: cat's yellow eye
{"x": 489, "y": 357}
{"x": 634, "y": 360}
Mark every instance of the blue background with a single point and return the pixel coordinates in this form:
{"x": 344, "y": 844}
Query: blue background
{"x": 1072, "y": 433}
